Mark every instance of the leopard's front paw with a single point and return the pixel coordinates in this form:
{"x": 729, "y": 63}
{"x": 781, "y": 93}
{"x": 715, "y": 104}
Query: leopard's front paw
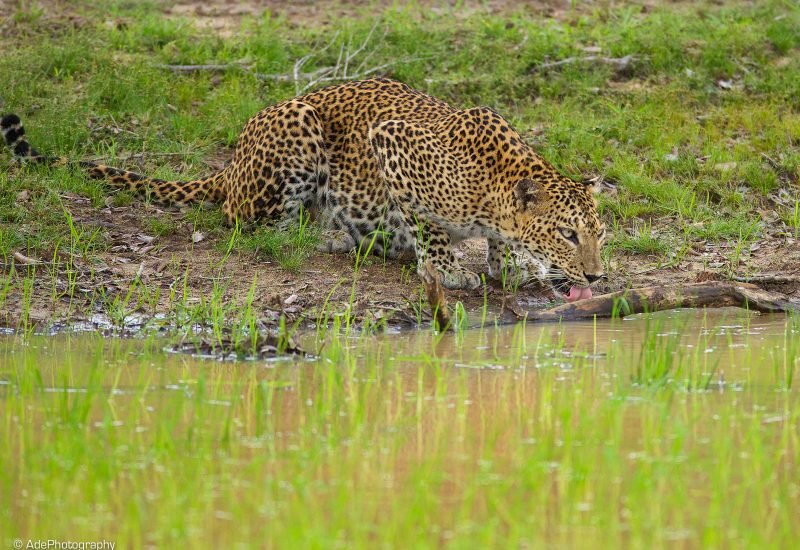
{"x": 459, "y": 278}
{"x": 336, "y": 241}
{"x": 517, "y": 270}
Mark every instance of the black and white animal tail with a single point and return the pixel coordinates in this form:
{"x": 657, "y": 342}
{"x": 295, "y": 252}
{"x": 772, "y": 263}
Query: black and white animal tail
{"x": 14, "y": 136}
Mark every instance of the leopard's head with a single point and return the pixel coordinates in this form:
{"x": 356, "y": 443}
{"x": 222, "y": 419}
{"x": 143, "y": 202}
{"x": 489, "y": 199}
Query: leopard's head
{"x": 558, "y": 223}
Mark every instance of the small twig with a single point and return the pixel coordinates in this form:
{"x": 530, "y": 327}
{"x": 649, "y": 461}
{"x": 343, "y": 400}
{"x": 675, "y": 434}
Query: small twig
{"x": 283, "y": 77}
{"x": 309, "y": 56}
{"x": 364, "y": 61}
{"x": 200, "y": 68}
{"x": 436, "y": 296}
{"x": 347, "y": 56}
{"x": 772, "y": 162}
{"x": 782, "y": 172}
{"x": 620, "y": 63}
{"x": 358, "y": 76}
{"x": 296, "y": 71}
{"x": 522, "y": 42}
{"x": 351, "y": 56}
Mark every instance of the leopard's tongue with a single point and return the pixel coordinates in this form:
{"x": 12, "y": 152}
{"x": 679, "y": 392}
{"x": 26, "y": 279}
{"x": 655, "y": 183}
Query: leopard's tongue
{"x": 578, "y": 293}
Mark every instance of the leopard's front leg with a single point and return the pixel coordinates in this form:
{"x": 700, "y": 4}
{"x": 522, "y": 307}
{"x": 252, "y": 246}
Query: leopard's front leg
{"x": 434, "y": 243}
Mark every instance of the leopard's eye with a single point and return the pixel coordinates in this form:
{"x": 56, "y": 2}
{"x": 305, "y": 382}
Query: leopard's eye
{"x": 569, "y": 234}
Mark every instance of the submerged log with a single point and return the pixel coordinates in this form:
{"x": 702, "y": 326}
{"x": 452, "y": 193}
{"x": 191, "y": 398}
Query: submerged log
{"x": 712, "y": 294}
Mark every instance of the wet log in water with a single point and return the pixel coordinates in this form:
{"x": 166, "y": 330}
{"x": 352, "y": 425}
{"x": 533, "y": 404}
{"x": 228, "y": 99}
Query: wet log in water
{"x": 712, "y": 294}
{"x": 640, "y": 300}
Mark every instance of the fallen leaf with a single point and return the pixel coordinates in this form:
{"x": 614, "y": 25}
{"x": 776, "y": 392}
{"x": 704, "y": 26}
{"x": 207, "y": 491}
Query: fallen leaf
{"x": 198, "y": 236}
{"x": 291, "y": 299}
{"x": 162, "y": 265}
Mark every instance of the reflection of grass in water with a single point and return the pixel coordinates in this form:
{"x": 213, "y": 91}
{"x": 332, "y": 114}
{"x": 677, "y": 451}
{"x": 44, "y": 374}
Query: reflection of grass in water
{"x": 663, "y": 360}
{"x": 786, "y": 359}
{"x": 382, "y": 441}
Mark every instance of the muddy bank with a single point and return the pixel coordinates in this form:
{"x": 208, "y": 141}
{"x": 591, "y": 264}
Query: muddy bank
{"x": 136, "y": 274}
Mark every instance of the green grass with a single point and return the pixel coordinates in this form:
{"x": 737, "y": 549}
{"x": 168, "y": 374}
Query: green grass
{"x": 792, "y": 218}
{"x": 641, "y": 241}
{"x": 521, "y": 436}
{"x": 161, "y": 225}
{"x": 663, "y": 130}
{"x": 288, "y": 244}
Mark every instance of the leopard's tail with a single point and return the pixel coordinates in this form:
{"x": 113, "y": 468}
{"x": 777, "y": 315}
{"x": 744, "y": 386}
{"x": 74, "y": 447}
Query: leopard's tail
{"x": 208, "y": 189}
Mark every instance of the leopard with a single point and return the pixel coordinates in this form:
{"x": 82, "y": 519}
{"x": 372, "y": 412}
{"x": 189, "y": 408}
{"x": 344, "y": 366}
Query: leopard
{"x": 384, "y": 167}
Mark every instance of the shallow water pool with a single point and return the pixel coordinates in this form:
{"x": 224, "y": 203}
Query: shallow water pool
{"x": 677, "y": 426}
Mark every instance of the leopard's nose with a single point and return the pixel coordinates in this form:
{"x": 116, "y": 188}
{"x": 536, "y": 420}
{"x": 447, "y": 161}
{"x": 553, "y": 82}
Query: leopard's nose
{"x": 592, "y": 277}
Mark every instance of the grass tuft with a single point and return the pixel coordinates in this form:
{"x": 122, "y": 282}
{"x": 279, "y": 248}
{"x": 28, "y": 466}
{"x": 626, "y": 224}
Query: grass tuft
{"x": 289, "y": 245}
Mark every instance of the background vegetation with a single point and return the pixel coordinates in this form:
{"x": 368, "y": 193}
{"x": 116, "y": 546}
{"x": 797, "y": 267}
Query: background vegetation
{"x": 699, "y": 131}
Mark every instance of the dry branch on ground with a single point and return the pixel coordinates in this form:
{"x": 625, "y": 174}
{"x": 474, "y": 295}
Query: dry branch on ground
{"x": 769, "y": 279}
{"x": 351, "y": 64}
{"x": 436, "y": 296}
{"x": 619, "y": 63}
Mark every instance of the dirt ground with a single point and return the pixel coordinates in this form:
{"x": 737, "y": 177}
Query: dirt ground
{"x": 383, "y": 290}
{"x": 224, "y": 17}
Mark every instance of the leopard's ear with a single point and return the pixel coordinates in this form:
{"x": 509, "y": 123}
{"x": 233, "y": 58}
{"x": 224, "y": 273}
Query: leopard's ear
{"x": 531, "y": 196}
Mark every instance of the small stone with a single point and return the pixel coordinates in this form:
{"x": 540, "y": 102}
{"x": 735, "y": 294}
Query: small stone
{"x": 725, "y": 166}
{"x": 725, "y": 84}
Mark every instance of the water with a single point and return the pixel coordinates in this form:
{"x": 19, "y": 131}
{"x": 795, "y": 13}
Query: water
{"x": 677, "y": 426}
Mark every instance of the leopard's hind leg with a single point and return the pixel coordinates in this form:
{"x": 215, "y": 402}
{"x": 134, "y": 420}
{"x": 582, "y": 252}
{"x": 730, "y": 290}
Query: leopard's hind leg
{"x": 280, "y": 165}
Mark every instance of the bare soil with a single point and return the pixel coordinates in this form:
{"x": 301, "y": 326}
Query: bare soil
{"x": 382, "y": 289}
{"x": 224, "y": 17}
